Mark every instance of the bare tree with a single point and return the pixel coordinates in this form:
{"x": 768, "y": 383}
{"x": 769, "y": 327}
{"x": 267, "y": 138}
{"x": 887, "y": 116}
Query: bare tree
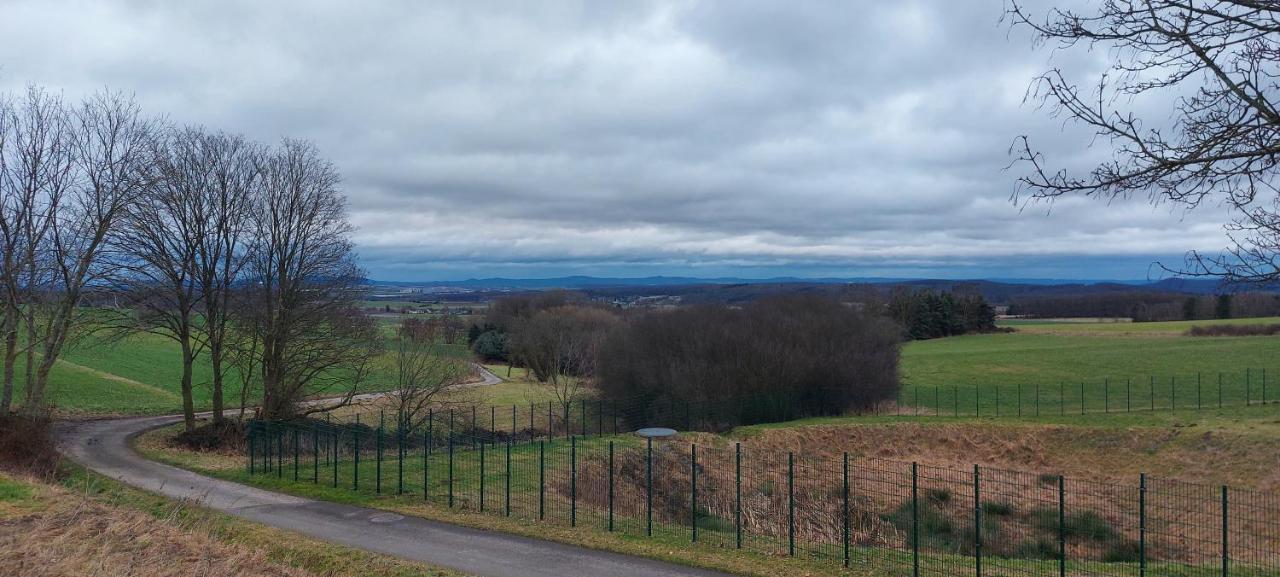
{"x": 111, "y": 145}
{"x": 303, "y": 284}
{"x": 160, "y": 236}
{"x": 36, "y": 172}
{"x": 560, "y": 346}
{"x": 1218, "y": 63}
{"x": 423, "y": 373}
{"x": 235, "y": 183}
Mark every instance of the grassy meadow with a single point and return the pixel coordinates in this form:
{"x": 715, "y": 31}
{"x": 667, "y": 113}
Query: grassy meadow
{"x": 140, "y": 374}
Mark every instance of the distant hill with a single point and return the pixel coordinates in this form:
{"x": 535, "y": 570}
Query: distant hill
{"x": 728, "y": 289}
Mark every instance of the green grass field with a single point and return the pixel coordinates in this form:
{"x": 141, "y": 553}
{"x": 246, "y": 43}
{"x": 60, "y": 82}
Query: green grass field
{"x": 1049, "y": 353}
{"x": 140, "y": 374}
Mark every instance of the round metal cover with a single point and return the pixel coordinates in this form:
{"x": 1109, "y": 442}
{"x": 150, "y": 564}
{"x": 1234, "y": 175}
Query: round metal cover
{"x": 656, "y": 432}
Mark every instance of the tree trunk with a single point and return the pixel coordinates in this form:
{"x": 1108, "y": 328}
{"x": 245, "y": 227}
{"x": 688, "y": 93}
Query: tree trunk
{"x": 215, "y": 359}
{"x": 188, "y": 403}
{"x": 10, "y": 358}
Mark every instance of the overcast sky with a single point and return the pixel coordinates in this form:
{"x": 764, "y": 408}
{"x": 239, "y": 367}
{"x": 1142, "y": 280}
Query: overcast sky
{"x": 537, "y": 139}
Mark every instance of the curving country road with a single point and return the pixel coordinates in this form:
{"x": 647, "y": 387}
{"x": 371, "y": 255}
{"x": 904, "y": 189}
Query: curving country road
{"x": 104, "y": 446}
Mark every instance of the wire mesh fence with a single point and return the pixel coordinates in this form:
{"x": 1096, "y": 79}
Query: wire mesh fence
{"x": 1192, "y": 391}
{"x": 907, "y": 518}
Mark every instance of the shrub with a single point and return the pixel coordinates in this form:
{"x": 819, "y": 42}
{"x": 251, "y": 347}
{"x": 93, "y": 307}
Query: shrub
{"x": 1122, "y": 552}
{"x": 938, "y": 495}
{"x": 227, "y": 435}
{"x": 935, "y": 526}
{"x": 998, "y": 508}
{"x": 773, "y": 360}
{"x": 1037, "y": 548}
{"x": 1082, "y": 524}
{"x": 1234, "y": 330}
{"x": 27, "y": 445}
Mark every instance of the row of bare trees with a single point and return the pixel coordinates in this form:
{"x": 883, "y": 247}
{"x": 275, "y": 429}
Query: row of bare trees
{"x": 235, "y": 250}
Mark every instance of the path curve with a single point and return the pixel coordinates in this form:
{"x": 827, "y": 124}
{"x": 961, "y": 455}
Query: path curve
{"x": 103, "y": 446}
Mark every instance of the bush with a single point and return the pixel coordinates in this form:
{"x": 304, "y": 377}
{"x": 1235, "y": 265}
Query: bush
{"x": 1122, "y": 552}
{"x": 1082, "y": 524}
{"x": 1234, "y": 330}
{"x": 772, "y": 360}
{"x": 1037, "y": 548}
{"x": 228, "y": 435}
{"x": 27, "y": 445}
{"x": 938, "y": 495}
{"x": 998, "y": 508}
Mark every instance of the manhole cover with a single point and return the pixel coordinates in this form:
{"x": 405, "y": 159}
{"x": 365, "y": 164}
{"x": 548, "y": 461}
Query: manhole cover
{"x": 385, "y": 518}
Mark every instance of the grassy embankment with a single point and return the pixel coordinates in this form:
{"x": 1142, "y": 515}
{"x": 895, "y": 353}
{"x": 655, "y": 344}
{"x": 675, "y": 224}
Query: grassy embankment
{"x": 90, "y": 525}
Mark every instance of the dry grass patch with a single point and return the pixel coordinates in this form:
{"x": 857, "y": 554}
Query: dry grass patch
{"x": 1193, "y": 454}
{"x": 72, "y": 534}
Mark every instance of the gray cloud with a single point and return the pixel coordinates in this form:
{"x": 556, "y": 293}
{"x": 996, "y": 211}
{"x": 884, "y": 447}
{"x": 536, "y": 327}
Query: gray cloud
{"x": 658, "y": 137}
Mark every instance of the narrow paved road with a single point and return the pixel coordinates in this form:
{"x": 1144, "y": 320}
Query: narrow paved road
{"x": 104, "y": 447}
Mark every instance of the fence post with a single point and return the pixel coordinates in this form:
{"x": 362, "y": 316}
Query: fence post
{"x": 584, "y": 418}
{"x": 693, "y": 489}
{"x": 1019, "y": 400}
{"x": 507, "y": 497}
{"x": 573, "y": 477}
{"x": 542, "y": 479}
{"x": 1037, "y": 399}
{"x": 295, "y": 454}
{"x": 915, "y": 519}
{"x": 1226, "y": 556}
{"x": 1219, "y": 390}
{"x": 315, "y": 454}
{"x": 250, "y": 443}
{"x": 955, "y": 401}
{"x": 513, "y": 422}
{"x": 1153, "y": 392}
{"x": 737, "y": 494}
{"x": 1062, "y": 527}
{"x": 648, "y": 487}
{"x": 1128, "y": 396}
{"x": 378, "y": 446}
{"x": 450, "y": 468}
{"x": 337, "y": 439}
{"x": 482, "y": 444}
{"x": 997, "y": 400}
{"x": 977, "y": 523}
{"x": 1248, "y": 387}
{"x": 400, "y": 454}
{"x": 1264, "y": 385}
{"x": 845, "y": 496}
{"x": 355, "y": 467}
{"x": 1142, "y": 524}
{"x": 1199, "y": 404}
{"x": 791, "y": 503}
{"x": 1173, "y": 392}
{"x": 1106, "y": 395}
{"x": 1062, "y": 398}
{"x": 611, "y": 486}
{"x": 426, "y": 459}
{"x": 1081, "y": 397}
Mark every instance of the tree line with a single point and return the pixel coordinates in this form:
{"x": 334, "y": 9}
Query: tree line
{"x": 773, "y": 359}
{"x": 928, "y": 314}
{"x": 238, "y": 251}
{"x": 1145, "y": 306}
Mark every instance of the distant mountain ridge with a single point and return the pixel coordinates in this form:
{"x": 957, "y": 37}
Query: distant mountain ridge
{"x": 1197, "y": 286}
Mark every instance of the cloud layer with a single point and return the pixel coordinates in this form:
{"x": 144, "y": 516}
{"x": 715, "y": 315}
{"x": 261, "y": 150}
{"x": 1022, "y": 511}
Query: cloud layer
{"x": 547, "y": 138}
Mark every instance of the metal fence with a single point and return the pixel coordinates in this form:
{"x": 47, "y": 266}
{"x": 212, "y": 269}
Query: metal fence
{"x": 1194, "y": 391}
{"x": 840, "y": 509}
